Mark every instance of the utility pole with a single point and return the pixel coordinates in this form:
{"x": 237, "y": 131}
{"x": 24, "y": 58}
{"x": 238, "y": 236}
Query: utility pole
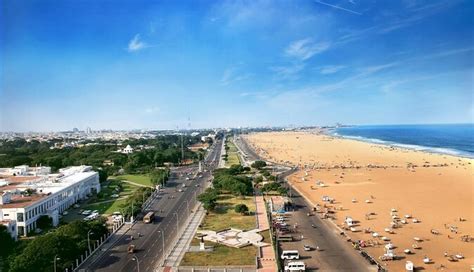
{"x": 182, "y": 149}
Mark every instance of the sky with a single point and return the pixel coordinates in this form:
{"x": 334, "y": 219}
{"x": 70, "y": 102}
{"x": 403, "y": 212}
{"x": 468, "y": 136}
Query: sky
{"x": 138, "y": 64}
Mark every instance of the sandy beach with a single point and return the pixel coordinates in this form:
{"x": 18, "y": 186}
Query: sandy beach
{"x": 428, "y": 197}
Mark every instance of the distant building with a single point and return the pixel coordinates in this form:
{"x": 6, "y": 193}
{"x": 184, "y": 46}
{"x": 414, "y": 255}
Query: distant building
{"x": 128, "y": 150}
{"x": 75, "y": 130}
{"x": 28, "y": 193}
{"x": 88, "y": 130}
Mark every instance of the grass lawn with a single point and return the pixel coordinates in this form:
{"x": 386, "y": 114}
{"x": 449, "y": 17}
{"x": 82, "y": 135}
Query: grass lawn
{"x": 225, "y": 217}
{"x": 107, "y": 207}
{"x": 222, "y": 255}
{"x": 232, "y": 154}
{"x": 140, "y": 179}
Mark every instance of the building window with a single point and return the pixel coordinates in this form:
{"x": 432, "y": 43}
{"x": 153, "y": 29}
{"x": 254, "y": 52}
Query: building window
{"x": 6, "y": 214}
{"x": 19, "y": 217}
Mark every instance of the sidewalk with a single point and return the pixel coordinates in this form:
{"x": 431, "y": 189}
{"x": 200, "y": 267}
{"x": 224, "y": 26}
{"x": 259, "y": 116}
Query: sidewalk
{"x": 267, "y": 262}
{"x": 182, "y": 245}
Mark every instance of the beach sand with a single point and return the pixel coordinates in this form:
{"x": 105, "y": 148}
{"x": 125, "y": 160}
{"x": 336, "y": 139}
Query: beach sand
{"x": 436, "y": 189}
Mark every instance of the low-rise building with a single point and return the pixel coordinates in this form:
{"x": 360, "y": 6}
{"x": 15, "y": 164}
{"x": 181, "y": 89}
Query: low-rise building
{"x": 24, "y": 197}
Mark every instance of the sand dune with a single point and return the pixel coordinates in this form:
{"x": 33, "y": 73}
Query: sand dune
{"x": 437, "y": 190}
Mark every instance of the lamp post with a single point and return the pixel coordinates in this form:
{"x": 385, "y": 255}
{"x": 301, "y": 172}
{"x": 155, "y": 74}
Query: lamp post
{"x": 135, "y": 258}
{"x": 162, "y": 231}
{"x": 177, "y": 222}
{"x": 88, "y": 240}
{"x": 187, "y": 205}
{"x": 56, "y": 258}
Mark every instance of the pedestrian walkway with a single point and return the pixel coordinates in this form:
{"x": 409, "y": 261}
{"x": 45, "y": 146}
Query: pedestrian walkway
{"x": 267, "y": 262}
{"x": 182, "y": 245}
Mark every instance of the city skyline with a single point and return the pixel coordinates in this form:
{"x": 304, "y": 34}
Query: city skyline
{"x": 162, "y": 65}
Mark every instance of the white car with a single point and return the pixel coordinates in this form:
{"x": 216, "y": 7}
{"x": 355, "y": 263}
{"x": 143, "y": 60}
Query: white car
{"x": 115, "y": 196}
{"x": 86, "y": 212}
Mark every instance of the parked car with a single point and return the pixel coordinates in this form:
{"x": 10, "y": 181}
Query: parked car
{"x": 307, "y": 248}
{"x": 115, "y": 196}
{"x": 86, "y": 212}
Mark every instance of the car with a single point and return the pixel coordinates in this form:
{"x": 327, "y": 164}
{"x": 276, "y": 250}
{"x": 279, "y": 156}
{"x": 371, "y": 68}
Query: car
{"x": 180, "y": 190}
{"x": 95, "y": 211}
{"x": 307, "y": 248}
{"x": 187, "y": 178}
{"x": 115, "y": 196}
{"x": 86, "y": 212}
{"x": 65, "y": 213}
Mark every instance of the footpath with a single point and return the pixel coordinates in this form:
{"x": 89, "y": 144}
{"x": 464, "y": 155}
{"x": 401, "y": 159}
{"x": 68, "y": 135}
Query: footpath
{"x": 182, "y": 245}
{"x": 267, "y": 262}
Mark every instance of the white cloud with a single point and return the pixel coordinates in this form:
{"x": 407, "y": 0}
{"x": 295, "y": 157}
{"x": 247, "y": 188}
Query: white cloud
{"x": 232, "y": 75}
{"x": 306, "y": 48}
{"x": 288, "y": 72}
{"x": 136, "y": 44}
{"x": 331, "y": 69}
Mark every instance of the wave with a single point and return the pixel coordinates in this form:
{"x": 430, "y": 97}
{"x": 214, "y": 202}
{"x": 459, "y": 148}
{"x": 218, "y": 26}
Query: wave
{"x": 429, "y": 149}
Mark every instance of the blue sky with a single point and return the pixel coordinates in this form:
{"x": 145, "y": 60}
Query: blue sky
{"x": 156, "y": 64}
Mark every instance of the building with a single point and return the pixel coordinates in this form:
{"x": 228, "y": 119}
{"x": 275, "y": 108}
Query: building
{"x": 25, "y": 197}
{"x": 279, "y": 204}
{"x": 127, "y": 150}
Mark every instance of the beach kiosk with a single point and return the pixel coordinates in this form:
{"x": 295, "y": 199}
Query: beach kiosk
{"x": 409, "y": 266}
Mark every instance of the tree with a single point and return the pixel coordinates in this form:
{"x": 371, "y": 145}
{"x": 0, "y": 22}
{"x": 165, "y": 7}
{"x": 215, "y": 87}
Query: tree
{"x": 159, "y": 176}
{"x": 102, "y": 174}
{"x": 7, "y": 245}
{"x": 257, "y": 179}
{"x": 209, "y": 199}
{"x": 241, "y": 208}
{"x": 44, "y": 222}
{"x": 39, "y": 253}
{"x": 258, "y": 164}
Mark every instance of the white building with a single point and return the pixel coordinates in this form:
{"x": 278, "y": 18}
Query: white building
{"x": 24, "y": 198}
{"x": 127, "y": 150}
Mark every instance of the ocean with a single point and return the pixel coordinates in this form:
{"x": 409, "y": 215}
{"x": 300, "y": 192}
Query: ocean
{"x": 452, "y": 139}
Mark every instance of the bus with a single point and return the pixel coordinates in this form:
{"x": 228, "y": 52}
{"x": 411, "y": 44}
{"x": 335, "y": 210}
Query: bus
{"x": 149, "y": 217}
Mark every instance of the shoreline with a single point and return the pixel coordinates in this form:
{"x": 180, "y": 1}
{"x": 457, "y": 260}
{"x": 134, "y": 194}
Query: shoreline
{"x": 422, "y": 148}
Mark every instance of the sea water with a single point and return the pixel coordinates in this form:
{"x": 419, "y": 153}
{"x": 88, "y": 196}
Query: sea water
{"x": 452, "y": 139}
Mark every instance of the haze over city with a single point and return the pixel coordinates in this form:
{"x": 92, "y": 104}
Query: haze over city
{"x": 164, "y": 64}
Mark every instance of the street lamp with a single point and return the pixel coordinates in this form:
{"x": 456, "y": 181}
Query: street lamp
{"x": 88, "y": 240}
{"x": 163, "y": 243}
{"x": 56, "y": 258}
{"x": 135, "y": 258}
{"x": 177, "y": 222}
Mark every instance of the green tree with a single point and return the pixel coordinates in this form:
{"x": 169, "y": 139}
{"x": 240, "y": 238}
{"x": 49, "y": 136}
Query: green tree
{"x": 7, "y": 245}
{"x": 159, "y": 176}
{"x": 44, "y": 222}
{"x": 39, "y": 254}
{"x": 209, "y": 199}
{"x": 241, "y": 208}
{"x": 258, "y": 164}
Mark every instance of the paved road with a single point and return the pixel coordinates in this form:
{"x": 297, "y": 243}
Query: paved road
{"x": 176, "y": 207}
{"x": 336, "y": 254}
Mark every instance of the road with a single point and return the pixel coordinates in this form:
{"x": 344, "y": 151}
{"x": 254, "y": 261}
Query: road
{"x": 336, "y": 254}
{"x": 176, "y": 207}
